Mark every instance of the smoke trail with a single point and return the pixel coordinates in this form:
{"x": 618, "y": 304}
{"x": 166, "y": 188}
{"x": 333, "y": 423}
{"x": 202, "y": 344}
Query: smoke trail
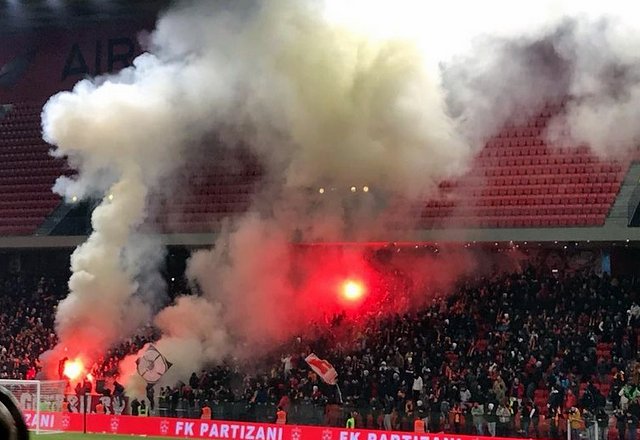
{"x": 124, "y": 134}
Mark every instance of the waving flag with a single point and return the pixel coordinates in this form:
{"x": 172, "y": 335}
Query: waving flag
{"x": 152, "y": 365}
{"x": 324, "y": 369}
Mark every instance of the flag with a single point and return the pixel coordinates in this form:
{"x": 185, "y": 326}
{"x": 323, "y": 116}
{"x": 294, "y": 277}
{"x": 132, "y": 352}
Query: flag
{"x": 324, "y": 369}
{"x": 152, "y": 365}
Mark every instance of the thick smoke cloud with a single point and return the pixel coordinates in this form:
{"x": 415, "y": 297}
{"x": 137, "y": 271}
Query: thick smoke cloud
{"x": 391, "y": 95}
{"x": 604, "y": 89}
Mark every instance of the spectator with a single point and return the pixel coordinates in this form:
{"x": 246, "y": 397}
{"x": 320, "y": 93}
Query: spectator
{"x": 602, "y": 419}
{"x": 416, "y": 388}
{"x": 621, "y": 424}
{"x": 502, "y": 342}
{"x": 135, "y": 407}
{"x": 576, "y": 422}
{"x": 504, "y": 419}
{"x": 478, "y": 417}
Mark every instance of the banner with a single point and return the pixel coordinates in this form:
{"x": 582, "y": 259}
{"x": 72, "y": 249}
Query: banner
{"x": 218, "y": 429}
{"x": 28, "y": 401}
{"x": 54, "y": 421}
{"x": 111, "y": 404}
{"x": 323, "y": 368}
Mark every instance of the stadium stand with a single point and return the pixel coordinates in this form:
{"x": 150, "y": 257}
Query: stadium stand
{"x": 519, "y": 180}
{"x": 221, "y": 187}
{"x": 564, "y": 344}
{"x": 27, "y": 172}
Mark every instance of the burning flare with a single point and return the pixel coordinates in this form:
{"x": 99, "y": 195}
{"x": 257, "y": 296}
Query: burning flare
{"x": 73, "y": 370}
{"x": 353, "y": 290}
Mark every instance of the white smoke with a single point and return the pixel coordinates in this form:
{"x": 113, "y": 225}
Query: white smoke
{"x": 394, "y": 95}
{"x": 192, "y": 335}
{"x": 124, "y": 134}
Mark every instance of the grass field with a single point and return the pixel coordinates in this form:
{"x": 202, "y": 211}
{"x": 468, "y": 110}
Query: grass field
{"x": 89, "y": 437}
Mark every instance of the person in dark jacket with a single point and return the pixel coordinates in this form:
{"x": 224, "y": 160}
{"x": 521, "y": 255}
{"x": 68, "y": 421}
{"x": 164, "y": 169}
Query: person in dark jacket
{"x": 525, "y": 418}
{"x": 632, "y": 423}
{"x": 602, "y": 419}
{"x": 135, "y": 407}
{"x": 621, "y": 424}
{"x": 555, "y": 422}
{"x": 535, "y": 419}
{"x": 491, "y": 418}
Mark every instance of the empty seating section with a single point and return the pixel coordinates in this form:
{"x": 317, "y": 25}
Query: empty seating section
{"x": 519, "y": 181}
{"x": 27, "y": 172}
{"x": 210, "y": 195}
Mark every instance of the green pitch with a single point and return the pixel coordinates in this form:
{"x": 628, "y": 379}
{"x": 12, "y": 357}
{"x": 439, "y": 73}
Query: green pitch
{"x": 89, "y": 437}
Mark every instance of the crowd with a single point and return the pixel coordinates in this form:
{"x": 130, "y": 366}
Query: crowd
{"x": 509, "y": 355}
{"x": 27, "y": 306}
{"x": 497, "y": 357}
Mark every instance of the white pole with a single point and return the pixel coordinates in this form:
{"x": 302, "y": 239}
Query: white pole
{"x": 339, "y": 393}
{"x": 596, "y": 430}
{"x": 38, "y": 394}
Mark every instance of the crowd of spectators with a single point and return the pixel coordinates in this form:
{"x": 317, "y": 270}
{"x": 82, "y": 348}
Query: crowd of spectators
{"x": 497, "y": 357}
{"x": 27, "y": 309}
{"x": 509, "y": 355}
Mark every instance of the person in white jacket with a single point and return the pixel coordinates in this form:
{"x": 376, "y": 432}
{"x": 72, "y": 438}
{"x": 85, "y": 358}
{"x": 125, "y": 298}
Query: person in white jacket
{"x": 416, "y": 388}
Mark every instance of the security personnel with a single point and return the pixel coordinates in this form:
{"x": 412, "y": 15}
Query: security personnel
{"x": 99, "y": 408}
{"x": 281, "y": 416}
{"x": 206, "y": 412}
{"x": 143, "y": 412}
{"x": 351, "y": 421}
{"x": 418, "y": 425}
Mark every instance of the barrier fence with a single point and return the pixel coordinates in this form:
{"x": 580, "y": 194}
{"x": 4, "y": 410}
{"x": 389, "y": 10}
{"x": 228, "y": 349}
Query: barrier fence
{"x": 217, "y": 429}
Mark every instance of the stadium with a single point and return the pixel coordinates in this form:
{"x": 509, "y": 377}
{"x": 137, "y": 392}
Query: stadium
{"x": 319, "y": 219}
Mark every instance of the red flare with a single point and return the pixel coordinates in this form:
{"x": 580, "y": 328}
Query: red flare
{"x": 353, "y": 290}
{"x": 73, "y": 369}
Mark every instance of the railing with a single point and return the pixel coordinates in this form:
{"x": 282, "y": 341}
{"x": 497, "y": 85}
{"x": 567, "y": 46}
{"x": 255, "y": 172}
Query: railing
{"x": 307, "y": 413}
{"x": 304, "y": 413}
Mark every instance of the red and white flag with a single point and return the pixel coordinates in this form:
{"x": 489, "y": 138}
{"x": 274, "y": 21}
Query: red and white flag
{"x": 324, "y": 369}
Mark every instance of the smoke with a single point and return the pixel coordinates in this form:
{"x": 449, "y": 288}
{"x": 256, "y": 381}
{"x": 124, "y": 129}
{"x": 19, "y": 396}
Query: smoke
{"x": 192, "y": 335}
{"x": 605, "y": 88}
{"x": 587, "y": 64}
{"x": 395, "y": 96}
{"x": 124, "y": 134}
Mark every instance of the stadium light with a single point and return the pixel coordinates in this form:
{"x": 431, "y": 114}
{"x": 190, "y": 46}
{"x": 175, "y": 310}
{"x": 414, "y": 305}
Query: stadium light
{"x": 110, "y": 197}
{"x": 365, "y": 189}
{"x": 353, "y": 189}
{"x": 74, "y": 199}
{"x": 321, "y": 190}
